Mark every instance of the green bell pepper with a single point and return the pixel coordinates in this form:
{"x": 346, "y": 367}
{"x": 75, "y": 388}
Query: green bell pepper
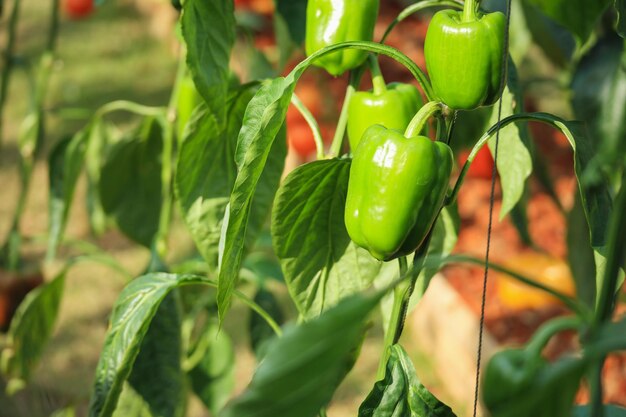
{"x": 396, "y": 189}
{"x": 464, "y": 54}
{"x": 518, "y": 383}
{"x": 333, "y": 21}
{"x": 392, "y": 106}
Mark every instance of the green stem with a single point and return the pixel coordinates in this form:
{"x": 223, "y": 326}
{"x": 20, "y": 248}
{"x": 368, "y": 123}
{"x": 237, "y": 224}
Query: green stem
{"x": 379, "y": 86}
{"x": 595, "y": 385}
{"x": 129, "y": 106}
{"x": 310, "y": 119}
{"x": 167, "y": 170}
{"x": 543, "y": 335}
{"x": 418, "y": 6}
{"x": 516, "y": 118}
{"x": 336, "y": 146}
{"x": 373, "y": 47}
{"x": 420, "y": 119}
{"x": 8, "y": 61}
{"x": 615, "y": 257}
{"x": 396, "y": 316}
{"x": 469, "y": 11}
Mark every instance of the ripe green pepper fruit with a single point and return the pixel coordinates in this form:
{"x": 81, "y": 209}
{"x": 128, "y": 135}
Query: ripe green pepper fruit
{"x": 332, "y": 21}
{"x": 518, "y": 383}
{"x": 392, "y": 106}
{"x": 464, "y": 56}
{"x": 396, "y": 189}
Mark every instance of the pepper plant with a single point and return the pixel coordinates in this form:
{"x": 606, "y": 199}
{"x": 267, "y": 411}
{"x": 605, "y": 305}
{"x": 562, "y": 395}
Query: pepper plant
{"x": 338, "y": 224}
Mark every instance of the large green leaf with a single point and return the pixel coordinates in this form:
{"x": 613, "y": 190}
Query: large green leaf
{"x": 557, "y": 43}
{"x": 64, "y": 167}
{"x": 31, "y": 329}
{"x": 599, "y": 87}
{"x": 262, "y": 122}
{"x": 581, "y": 255}
{"x": 209, "y": 32}
{"x": 206, "y": 174}
{"x": 579, "y": 16}
{"x": 289, "y": 26}
{"x": 130, "y": 182}
{"x": 159, "y": 359}
{"x": 131, "y": 318}
{"x": 302, "y": 369}
{"x": 320, "y": 263}
{"x": 401, "y": 394}
{"x": 514, "y": 161}
{"x": 213, "y": 377}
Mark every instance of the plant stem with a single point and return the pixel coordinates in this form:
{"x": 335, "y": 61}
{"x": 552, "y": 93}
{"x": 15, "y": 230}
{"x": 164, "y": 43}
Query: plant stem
{"x": 7, "y": 66}
{"x": 420, "y": 119}
{"x": 595, "y": 383}
{"x": 615, "y": 257}
{"x": 167, "y": 170}
{"x": 396, "y": 316}
{"x": 543, "y": 335}
{"x": 336, "y": 146}
{"x": 469, "y": 11}
{"x": 378, "y": 81}
{"x": 308, "y": 117}
{"x": 418, "y": 6}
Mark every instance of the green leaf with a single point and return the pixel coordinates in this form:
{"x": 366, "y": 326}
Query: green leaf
{"x": 159, "y": 359}
{"x": 289, "y": 26}
{"x": 578, "y": 16}
{"x": 130, "y": 320}
{"x": 206, "y": 174}
{"x": 443, "y": 240}
{"x": 302, "y": 369}
{"x": 581, "y": 255}
{"x": 599, "y": 87}
{"x": 213, "y": 378}
{"x": 320, "y": 262}
{"x": 260, "y": 331}
{"x": 262, "y": 122}
{"x": 620, "y": 6}
{"x": 131, "y": 404}
{"x": 31, "y": 329}
{"x": 514, "y": 161}
{"x": 130, "y": 182}
{"x": 557, "y": 43}
{"x": 64, "y": 167}
{"x": 294, "y": 14}
{"x": 209, "y": 31}
{"x": 609, "y": 411}
{"x": 401, "y": 394}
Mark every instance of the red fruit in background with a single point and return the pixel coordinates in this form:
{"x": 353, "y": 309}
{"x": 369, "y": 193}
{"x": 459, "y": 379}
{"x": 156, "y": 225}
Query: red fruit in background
{"x": 300, "y": 137}
{"x": 482, "y": 166}
{"x": 77, "y": 9}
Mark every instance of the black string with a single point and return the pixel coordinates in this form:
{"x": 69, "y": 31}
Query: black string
{"x": 491, "y": 204}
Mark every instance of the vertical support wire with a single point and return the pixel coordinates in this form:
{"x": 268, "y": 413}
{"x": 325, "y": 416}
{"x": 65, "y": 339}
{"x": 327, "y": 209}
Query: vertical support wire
{"x": 503, "y": 80}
